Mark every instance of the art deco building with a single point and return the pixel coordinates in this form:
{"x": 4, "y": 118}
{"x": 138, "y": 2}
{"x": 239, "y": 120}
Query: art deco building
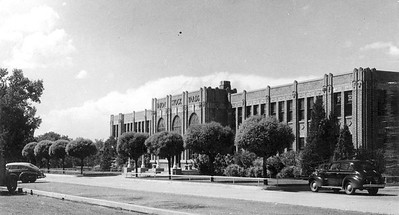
{"x": 367, "y": 100}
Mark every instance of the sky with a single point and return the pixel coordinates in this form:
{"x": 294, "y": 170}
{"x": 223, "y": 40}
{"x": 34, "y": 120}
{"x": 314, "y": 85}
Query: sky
{"x": 102, "y": 57}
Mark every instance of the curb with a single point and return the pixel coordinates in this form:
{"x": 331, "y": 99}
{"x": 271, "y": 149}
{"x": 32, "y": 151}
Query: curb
{"x": 106, "y": 203}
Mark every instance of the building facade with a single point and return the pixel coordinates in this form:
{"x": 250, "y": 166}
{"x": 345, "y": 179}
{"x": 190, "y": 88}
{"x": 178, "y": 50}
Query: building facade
{"x": 367, "y": 100}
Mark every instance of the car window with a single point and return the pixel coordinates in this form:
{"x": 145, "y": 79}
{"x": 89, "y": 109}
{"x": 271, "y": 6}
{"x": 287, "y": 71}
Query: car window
{"x": 344, "y": 167}
{"x": 334, "y": 167}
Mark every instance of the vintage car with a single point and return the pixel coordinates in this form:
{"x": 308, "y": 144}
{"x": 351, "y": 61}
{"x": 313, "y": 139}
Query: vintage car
{"x": 26, "y": 172}
{"x": 348, "y": 175}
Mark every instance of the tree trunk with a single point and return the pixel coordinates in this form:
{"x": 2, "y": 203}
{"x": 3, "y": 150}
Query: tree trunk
{"x": 264, "y": 170}
{"x": 170, "y": 177}
{"x": 48, "y": 165}
{"x": 63, "y": 165}
{"x": 81, "y": 166}
{"x": 135, "y": 165}
{"x": 211, "y": 167}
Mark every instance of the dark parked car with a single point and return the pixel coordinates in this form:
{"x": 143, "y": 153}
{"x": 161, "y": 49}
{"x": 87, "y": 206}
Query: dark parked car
{"x": 348, "y": 175}
{"x": 26, "y": 172}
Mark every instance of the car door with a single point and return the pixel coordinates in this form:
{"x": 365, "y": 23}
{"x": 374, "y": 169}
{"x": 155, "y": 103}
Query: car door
{"x": 332, "y": 175}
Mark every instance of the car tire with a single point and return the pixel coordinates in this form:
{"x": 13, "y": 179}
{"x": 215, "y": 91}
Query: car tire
{"x": 349, "y": 188}
{"x": 12, "y": 183}
{"x": 24, "y": 178}
{"x": 313, "y": 186}
{"x": 373, "y": 191}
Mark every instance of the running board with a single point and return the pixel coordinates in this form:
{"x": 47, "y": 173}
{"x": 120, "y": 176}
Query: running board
{"x": 331, "y": 187}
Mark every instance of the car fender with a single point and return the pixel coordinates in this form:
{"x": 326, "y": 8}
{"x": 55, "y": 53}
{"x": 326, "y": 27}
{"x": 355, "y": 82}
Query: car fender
{"x": 318, "y": 179}
{"x": 356, "y": 182}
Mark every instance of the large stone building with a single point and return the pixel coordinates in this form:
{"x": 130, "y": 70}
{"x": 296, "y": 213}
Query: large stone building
{"x": 367, "y": 100}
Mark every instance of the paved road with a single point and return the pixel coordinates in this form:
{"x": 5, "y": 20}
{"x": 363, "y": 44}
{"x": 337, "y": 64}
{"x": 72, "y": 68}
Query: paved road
{"x": 387, "y": 202}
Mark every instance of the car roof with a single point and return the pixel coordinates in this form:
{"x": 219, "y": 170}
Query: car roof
{"x": 21, "y": 164}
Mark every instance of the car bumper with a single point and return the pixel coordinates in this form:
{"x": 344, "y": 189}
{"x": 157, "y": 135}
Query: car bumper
{"x": 373, "y": 185}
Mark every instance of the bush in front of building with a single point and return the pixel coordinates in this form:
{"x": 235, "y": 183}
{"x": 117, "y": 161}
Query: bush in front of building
{"x": 209, "y": 139}
{"x": 289, "y": 172}
{"x": 132, "y": 145}
{"x": 264, "y": 136}
{"x": 235, "y": 170}
{"x": 344, "y": 148}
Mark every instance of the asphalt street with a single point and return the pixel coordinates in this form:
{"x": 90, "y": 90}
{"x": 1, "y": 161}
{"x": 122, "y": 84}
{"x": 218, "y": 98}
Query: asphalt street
{"x": 386, "y": 202}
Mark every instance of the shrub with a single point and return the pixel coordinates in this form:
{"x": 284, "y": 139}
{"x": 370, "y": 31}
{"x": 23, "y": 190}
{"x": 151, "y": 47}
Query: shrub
{"x": 254, "y": 171}
{"x": 234, "y": 170}
{"x": 244, "y": 158}
{"x": 290, "y": 158}
{"x": 274, "y": 165}
{"x": 289, "y": 172}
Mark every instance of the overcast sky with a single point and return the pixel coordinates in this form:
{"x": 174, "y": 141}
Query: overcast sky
{"x": 103, "y": 57}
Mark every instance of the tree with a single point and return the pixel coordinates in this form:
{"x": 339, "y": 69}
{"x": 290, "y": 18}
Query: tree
{"x": 209, "y": 139}
{"x": 322, "y": 137}
{"x": 264, "y": 136}
{"x": 42, "y": 151}
{"x": 165, "y": 144}
{"x": 57, "y": 150}
{"x": 108, "y": 153}
{"x": 132, "y": 145}
{"x": 17, "y": 114}
{"x": 344, "y": 148}
{"x": 81, "y": 148}
{"x": 29, "y": 152}
{"x": 51, "y": 136}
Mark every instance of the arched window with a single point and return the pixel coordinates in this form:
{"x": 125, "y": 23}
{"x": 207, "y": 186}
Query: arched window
{"x": 193, "y": 119}
{"x": 161, "y": 125}
{"x": 176, "y": 126}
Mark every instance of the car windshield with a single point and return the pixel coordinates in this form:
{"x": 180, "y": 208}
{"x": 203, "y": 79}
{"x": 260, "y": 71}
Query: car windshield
{"x": 364, "y": 166}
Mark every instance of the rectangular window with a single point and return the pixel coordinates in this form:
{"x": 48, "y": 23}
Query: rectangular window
{"x": 273, "y": 109}
{"x": 147, "y": 129}
{"x": 239, "y": 116}
{"x": 289, "y": 111}
{"x": 381, "y": 102}
{"x": 135, "y": 127}
{"x": 281, "y": 111}
{"x": 262, "y": 109}
{"x": 301, "y": 109}
{"x": 256, "y": 110}
{"x": 247, "y": 111}
{"x": 337, "y": 104}
{"x": 348, "y": 103}
{"x": 233, "y": 117}
{"x": 301, "y": 143}
{"x": 310, "y": 107}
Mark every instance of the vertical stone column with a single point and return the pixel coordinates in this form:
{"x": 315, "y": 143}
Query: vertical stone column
{"x": 295, "y": 121}
{"x": 355, "y": 108}
{"x": 244, "y": 105}
{"x": 342, "y": 121}
{"x": 121, "y": 126}
{"x": 278, "y": 111}
{"x": 267, "y": 106}
{"x": 111, "y": 126}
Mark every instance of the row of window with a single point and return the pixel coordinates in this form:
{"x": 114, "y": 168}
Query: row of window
{"x": 283, "y": 110}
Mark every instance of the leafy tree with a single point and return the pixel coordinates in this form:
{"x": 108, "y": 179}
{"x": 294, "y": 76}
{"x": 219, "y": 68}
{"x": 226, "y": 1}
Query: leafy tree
{"x": 209, "y": 139}
{"x": 51, "y": 136}
{"x": 29, "y": 152}
{"x": 57, "y": 150}
{"x": 344, "y": 148}
{"x": 165, "y": 144}
{"x": 42, "y": 151}
{"x": 322, "y": 138}
{"x": 132, "y": 145}
{"x": 108, "y": 153}
{"x": 264, "y": 136}
{"x": 81, "y": 148}
{"x": 18, "y": 121}
{"x": 375, "y": 156}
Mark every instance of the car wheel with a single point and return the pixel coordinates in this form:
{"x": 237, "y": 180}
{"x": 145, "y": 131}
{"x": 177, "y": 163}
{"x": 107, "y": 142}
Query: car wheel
{"x": 349, "y": 188}
{"x": 373, "y": 191}
{"x": 313, "y": 186}
{"x": 12, "y": 183}
{"x": 24, "y": 178}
